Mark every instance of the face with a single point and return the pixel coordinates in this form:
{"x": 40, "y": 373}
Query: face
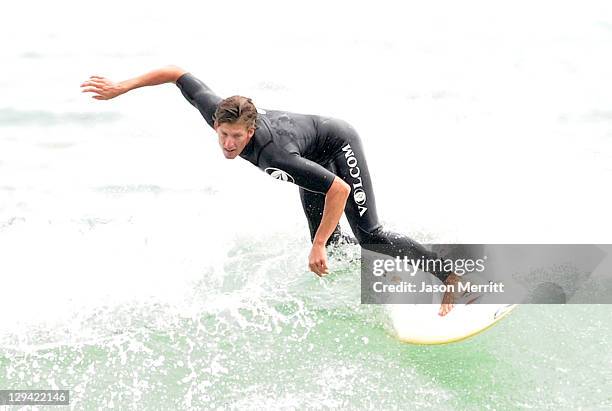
{"x": 233, "y": 138}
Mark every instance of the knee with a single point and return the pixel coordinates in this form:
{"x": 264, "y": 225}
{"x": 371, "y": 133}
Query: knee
{"x": 344, "y": 128}
{"x": 367, "y": 236}
{"x": 349, "y": 131}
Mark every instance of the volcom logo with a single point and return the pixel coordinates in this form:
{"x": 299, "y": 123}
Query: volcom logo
{"x": 359, "y": 196}
{"x": 279, "y": 174}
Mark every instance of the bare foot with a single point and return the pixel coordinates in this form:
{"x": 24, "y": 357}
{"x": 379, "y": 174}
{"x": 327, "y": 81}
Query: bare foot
{"x": 448, "y": 299}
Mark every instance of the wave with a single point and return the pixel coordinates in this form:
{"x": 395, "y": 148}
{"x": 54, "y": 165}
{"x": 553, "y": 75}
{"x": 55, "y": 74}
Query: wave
{"x": 12, "y": 117}
{"x": 146, "y": 188}
{"x": 129, "y": 188}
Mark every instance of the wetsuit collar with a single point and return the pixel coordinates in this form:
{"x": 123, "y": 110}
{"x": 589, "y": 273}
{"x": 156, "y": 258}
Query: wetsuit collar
{"x": 248, "y": 150}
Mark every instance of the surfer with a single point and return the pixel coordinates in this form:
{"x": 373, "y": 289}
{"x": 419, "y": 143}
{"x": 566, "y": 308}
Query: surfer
{"x": 322, "y": 155}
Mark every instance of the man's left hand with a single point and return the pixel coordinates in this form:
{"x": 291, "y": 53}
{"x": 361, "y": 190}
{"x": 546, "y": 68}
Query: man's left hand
{"x": 317, "y": 261}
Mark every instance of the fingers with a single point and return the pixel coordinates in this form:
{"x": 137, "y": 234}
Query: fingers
{"x": 324, "y": 266}
{"x": 92, "y": 83}
{"x": 91, "y": 89}
{"x": 317, "y": 261}
{"x": 316, "y": 269}
{"x": 319, "y": 268}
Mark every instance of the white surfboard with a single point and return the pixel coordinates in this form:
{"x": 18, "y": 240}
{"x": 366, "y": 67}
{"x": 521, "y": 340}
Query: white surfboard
{"x": 421, "y": 324}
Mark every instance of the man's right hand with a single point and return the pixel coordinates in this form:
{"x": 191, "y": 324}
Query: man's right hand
{"x": 103, "y": 88}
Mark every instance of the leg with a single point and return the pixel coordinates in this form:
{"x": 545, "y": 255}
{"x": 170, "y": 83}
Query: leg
{"x": 360, "y": 208}
{"x": 313, "y": 204}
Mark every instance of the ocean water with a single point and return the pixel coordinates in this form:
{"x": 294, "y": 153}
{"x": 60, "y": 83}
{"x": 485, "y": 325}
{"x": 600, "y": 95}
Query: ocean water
{"x": 142, "y": 270}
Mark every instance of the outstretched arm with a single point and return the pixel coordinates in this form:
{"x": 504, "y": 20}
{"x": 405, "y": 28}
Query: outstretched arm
{"x": 105, "y": 89}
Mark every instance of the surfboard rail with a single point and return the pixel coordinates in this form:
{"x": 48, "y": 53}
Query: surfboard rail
{"x": 420, "y": 324}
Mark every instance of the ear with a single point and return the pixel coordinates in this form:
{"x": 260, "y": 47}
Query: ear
{"x": 251, "y": 131}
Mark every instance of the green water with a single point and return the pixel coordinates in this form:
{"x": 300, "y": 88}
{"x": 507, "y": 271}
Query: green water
{"x": 297, "y": 342}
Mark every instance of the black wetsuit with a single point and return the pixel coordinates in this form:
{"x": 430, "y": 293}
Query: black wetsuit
{"x": 310, "y": 151}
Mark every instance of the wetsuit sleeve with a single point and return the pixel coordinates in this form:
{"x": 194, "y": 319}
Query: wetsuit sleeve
{"x": 199, "y": 95}
{"x": 286, "y": 166}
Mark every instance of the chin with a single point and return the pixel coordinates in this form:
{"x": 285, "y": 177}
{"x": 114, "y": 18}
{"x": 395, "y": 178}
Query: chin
{"x": 230, "y": 156}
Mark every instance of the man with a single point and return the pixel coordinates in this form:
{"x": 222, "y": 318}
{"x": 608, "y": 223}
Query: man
{"x": 322, "y": 155}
